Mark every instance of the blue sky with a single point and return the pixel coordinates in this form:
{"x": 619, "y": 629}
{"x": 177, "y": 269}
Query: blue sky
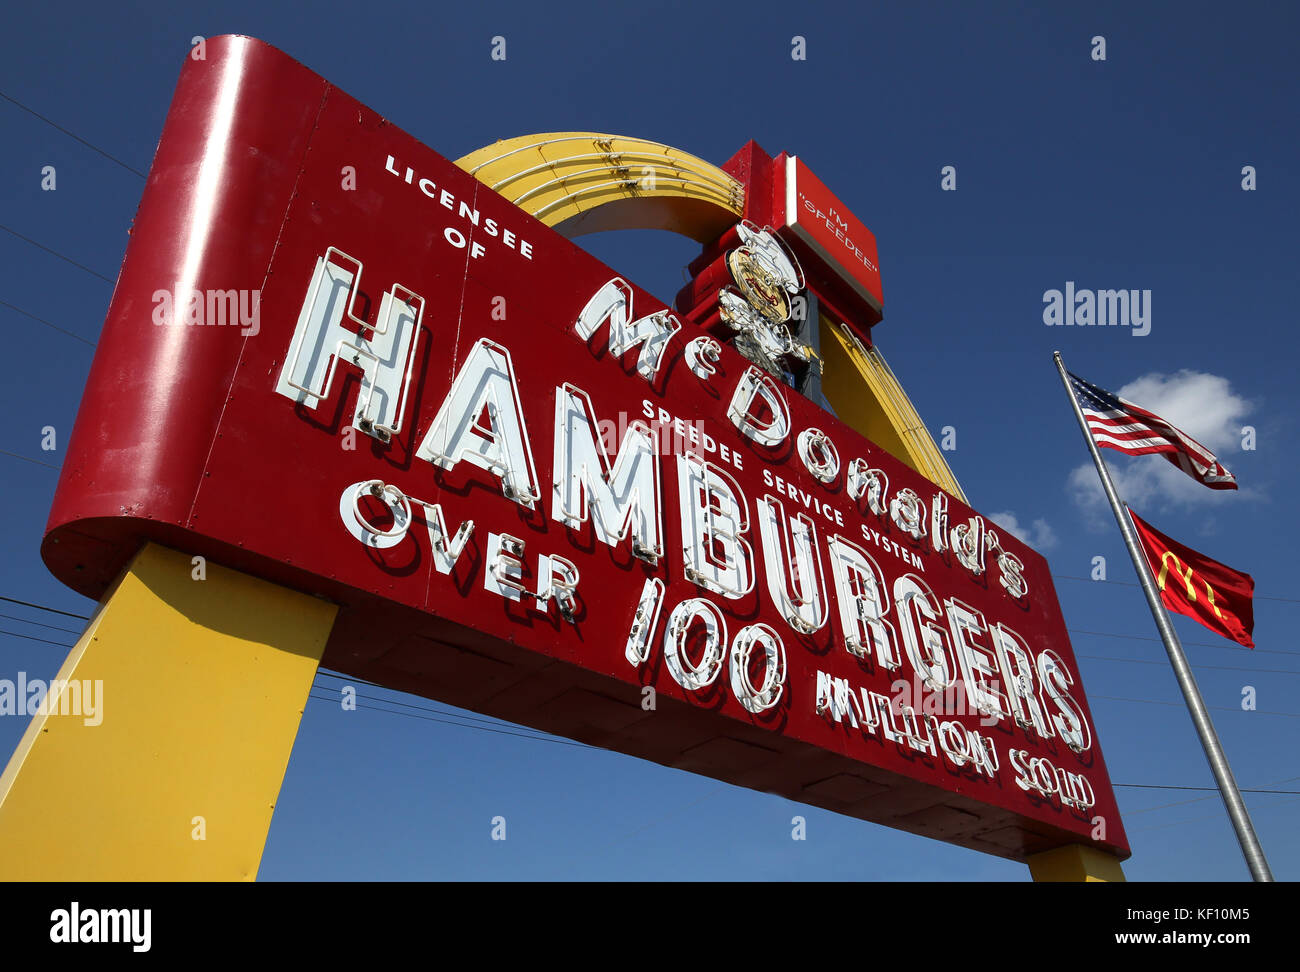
{"x": 1125, "y": 173}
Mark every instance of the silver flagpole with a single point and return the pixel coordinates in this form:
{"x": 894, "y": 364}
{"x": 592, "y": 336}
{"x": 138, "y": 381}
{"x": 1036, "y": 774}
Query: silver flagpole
{"x": 1254, "y": 854}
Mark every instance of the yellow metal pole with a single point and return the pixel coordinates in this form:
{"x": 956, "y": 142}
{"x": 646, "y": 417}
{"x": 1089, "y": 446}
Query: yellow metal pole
{"x": 1075, "y": 862}
{"x": 163, "y": 742}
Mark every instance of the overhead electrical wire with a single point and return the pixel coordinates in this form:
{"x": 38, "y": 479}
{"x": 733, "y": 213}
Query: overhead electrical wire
{"x": 1221, "y": 708}
{"x": 1089, "y": 580}
{"x": 38, "y": 462}
{"x": 72, "y": 135}
{"x": 1210, "y": 668}
{"x": 439, "y": 716}
{"x": 44, "y": 641}
{"x": 61, "y": 256}
{"x": 42, "y": 607}
{"x": 1247, "y": 670}
{"x": 1203, "y": 789}
{"x": 1185, "y": 644}
{"x": 1213, "y": 816}
{"x": 1213, "y": 792}
{"x": 462, "y": 725}
{"x": 41, "y": 320}
{"x": 55, "y": 627}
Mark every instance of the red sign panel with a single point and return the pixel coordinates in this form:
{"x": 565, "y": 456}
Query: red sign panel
{"x": 807, "y": 213}
{"x": 335, "y": 360}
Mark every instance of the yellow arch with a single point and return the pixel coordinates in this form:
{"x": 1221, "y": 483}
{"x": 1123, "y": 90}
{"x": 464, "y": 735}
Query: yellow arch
{"x": 866, "y": 396}
{"x": 586, "y": 182}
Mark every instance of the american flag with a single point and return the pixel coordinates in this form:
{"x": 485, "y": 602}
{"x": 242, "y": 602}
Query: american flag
{"x": 1121, "y": 425}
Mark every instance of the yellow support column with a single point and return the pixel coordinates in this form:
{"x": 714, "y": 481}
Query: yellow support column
{"x": 1075, "y": 862}
{"x": 165, "y": 737}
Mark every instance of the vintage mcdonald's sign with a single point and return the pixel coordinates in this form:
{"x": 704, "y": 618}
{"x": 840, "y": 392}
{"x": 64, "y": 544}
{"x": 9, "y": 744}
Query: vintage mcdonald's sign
{"x": 535, "y": 491}
{"x": 1192, "y": 584}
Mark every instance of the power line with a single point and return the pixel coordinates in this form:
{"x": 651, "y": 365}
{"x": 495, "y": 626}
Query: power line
{"x": 492, "y": 727}
{"x": 1221, "y": 708}
{"x": 1089, "y": 580}
{"x": 43, "y": 641}
{"x": 496, "y": 727}
{"x": 346, "y": 678}
{"x": 1205, "y": 789}
{"x": 26, "y": 459}
{"x": 66, "y": 259}
{"x": 421, "y": 708}
{"x": 1183, "y": 803}
{"x": 42, "y": 607}
{"x": 14, "y": 617}
{"x": 1179, "y": 823}
{"x": 462, "y": 725}
{"x": 1191, "y": 644}
{"x": 72, "y": 135}
{"x": 1216, "y": 668}
{"x": 1166, "y": 806}
{"x": 487, "y": 726}
{"x": 1112, "y": 698}
{"x": 41, "y": 320}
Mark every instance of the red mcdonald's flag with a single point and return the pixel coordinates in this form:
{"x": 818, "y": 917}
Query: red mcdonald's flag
{"x": 1193, "y": 584}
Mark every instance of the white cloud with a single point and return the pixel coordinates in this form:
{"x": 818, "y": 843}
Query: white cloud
{"x": 1038, "y": 534}
{"x": 1202, "y": 405}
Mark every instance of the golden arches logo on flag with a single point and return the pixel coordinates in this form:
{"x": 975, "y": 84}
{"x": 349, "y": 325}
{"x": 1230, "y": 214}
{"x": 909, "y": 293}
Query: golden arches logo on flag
{"x": 1192, "y": 584}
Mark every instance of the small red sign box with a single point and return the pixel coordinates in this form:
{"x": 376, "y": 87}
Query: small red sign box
{"x": 837, "y": 250}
